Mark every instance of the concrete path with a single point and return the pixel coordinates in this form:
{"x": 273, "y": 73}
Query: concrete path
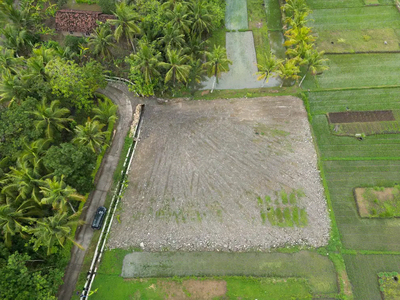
{"x": 125, "y": 100}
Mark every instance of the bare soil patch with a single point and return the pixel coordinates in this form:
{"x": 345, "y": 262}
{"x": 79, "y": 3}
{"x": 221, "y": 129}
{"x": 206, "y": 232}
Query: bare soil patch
{"x": 361, "y": 116}
{"x": 201, "y": 167}
{"x": 378, "y": 202}
{"x": 194, "y": 289}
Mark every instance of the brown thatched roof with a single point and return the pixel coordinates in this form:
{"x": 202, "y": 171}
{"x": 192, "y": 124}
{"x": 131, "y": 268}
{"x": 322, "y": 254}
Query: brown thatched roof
{"x": 78, "y": 20}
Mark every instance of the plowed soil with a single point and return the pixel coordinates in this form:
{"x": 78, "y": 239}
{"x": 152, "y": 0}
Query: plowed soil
{"x": 361, "y": 116}
{"x": 200, "y": 166}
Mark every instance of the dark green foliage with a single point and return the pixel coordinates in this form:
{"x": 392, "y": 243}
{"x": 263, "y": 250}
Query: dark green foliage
{"x": 19, "y": 282}
{"x": 107, "y": 6}
{"x": 73, "y": 42}
{"x": 16, "y": 126}
{"x": 75, "y": 163}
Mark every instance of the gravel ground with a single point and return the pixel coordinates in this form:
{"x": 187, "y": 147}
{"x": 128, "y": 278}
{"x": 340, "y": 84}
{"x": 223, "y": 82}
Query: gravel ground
{"x": 242, "y": 73}
{"x": 200, "y": 166}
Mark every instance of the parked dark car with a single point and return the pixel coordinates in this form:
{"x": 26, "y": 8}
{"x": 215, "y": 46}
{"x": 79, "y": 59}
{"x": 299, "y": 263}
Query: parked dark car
{"x": 99, "y": 217}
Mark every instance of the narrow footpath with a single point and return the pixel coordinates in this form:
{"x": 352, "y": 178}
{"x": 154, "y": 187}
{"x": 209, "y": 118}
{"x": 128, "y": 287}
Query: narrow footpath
{"x": 125, "y": 101}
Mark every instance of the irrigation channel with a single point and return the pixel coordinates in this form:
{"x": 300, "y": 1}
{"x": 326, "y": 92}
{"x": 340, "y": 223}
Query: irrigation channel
{"x": 135, "y": 131}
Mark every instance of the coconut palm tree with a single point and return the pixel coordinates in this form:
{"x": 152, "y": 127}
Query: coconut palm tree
{"x": 23, "y": 182}
{"x": 50, "y": 118}
{"x": 292, "y": 7}
{"x": 11, "y": 87}
{"x": 289, "y": 70}
{"x": 105, "y": 112}
{"x": 55, "y": 230}
{"x": 9, "y": 62}
{"x": 125, "y": 23}
{"x": 180, "y": 17}
{"x": 101, "y": 41}
{"x": 18, "y": 39}
{"x": 178, "y": 69}
{"x": 13, "y": 221}
{"x": 146, "y": 61}
{"x": 90, "y": 135}
{"x": 34, "y": 152}
{"x": 315, "y": 63}
{"x": 58, "y": 194}
{"x": 200, "y": 16}
{"x": 172, "y": 37}
{"x": 299, "y": 37}
{"x": 217, "y": 62}
{"x": 269, "y": 66}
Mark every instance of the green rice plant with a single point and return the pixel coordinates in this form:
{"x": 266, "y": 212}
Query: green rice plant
{"x": 263, "y": 216}
{"x": 284, "y": 197}
{"x": 271, "y": 217}
{"x": 288, "y": 217}
{"x": 259, "y": 201}
{"x": 279, "y": 216}
{"x": 292, "y": 198}
{"x": 303, "y": 218}
{"x": 295, "y": 216}
{"x": 267, "y": 199}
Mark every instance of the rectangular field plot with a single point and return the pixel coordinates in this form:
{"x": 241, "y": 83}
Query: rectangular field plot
{"x": 356, "y": 232}
{"x": 350, "y": 41}
{"x": 363, "y": 273}
{"x": 319, "y": 4}
{"x": 365, "y": 99}
{"x": 358, "y": 70}
{"x": 202, "y": 167}
{"x": 236, "y": 14}
{"x": 273, "y": 14}
{"x": 383, "y": 146}
{"x": 360, "y": 18}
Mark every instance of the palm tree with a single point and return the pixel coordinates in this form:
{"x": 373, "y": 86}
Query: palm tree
{"x": 23, "y": 182}
{"x": 314, "y": 62}
{"x": 217, "y": 62}
{"x": 9, "y": 62}
{"x": 14, "y": 220}
{"x": 179, "y": 17}
{"x": 38, "y": 61}
{"x": 269, "y": 66}
{"x": 11, "y": 87}
{"x": 55, "y": 230}
{"x": 201, "y": 17}
{"x": 292, "y": 7}
{"x": 289, "y": 70}
{"x": 299, "y": 37}
{"x": 102, "y": 41}
{"x": 195, "y": 47}
{"x": 34, "y": 152}
{"x": 146, "y": 61}
{"x": 17, "y": 39}
{"x": 58, "y": 194}
{"x": 105, "y": 112}
{"x": 51, "y": 118}
{"x": 172, "y": 37}
{"x": 177, "y": 67}
{"x": 90, "y": 135}
{"x": 125, "y": 23}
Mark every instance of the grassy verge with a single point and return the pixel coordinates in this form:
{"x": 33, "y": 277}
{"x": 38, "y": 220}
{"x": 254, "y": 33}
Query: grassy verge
{"x": 218, "y": 38}
{"x": 246, "y": 93}
{"x": 71, "y": 4}
{"x": 198, "y": 288}
{"x": 92, "y": 247}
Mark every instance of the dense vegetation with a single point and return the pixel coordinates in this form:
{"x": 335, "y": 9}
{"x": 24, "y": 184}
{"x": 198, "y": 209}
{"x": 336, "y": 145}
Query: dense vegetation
{"x": 54, "y": 126}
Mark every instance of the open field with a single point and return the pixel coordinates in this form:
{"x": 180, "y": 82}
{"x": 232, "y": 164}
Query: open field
{"x": 378, "y": 202}
{"x": 320, "y": 4}
{"x": 314, "y": 273}
{"x": 236, "y": 14}
{"x": 200, "y": 168}
{"x": 350, "y": 41}
{"x": 358, "y": 70}
{"x": 358, "y": 18}
{"x": 363, "y": 272}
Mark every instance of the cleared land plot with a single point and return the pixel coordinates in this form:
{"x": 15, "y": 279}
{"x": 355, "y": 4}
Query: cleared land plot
{"x": 358, "y": 70}
{"x": 360, "y": 18}
{"x": 363, "y": 273}
{"x": 200, "y": 167}
{"x": 378, "y": 202}
{"x": 318, "y": 270}
{"x": 242, "y": 73}
{"x": 350, "y": 41}
{"x": 236, "y": 14}
{"x": 358, "y": 100}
